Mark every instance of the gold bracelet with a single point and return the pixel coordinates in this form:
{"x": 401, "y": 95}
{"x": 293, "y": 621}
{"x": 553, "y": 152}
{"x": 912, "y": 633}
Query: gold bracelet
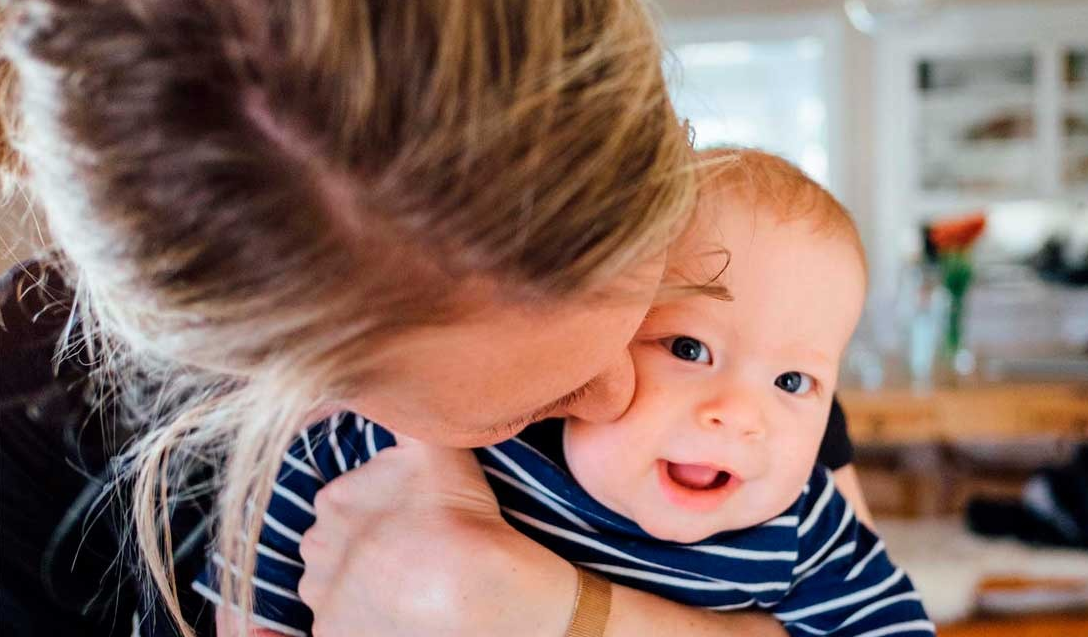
{"x": 592, "y": 603}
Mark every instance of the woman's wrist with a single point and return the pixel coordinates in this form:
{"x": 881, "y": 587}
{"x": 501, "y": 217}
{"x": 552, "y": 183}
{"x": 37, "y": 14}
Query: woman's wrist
{"x": 542, "y": 586}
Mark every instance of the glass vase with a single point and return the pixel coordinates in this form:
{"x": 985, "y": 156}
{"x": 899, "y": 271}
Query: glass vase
{"x": 957, "y": 272}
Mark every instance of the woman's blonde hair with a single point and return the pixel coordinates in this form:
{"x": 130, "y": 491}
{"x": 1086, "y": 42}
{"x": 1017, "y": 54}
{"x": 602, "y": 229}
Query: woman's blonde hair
{"x": 251, "y": 196}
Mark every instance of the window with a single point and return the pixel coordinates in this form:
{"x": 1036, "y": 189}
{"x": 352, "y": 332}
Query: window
{"x": 771, "y": 94}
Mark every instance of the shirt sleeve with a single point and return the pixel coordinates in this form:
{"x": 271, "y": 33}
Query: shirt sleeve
{"x": 320, "y": 454}
{"x": 836, "y": 450}
{"x": 844, "y": 584}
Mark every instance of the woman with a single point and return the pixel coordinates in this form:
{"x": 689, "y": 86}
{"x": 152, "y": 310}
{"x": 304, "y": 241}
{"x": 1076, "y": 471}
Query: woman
{"x": 270, "y": 210}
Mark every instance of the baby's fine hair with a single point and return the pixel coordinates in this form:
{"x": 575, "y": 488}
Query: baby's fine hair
{"x": 770, "y": 183}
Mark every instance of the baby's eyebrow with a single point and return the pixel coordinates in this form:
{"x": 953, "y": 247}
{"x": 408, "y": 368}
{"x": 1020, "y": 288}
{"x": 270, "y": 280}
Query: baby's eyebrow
{"x": 715, "y": 291}
{"x": 812, "y": 356}
{"x": 671, "y": 293}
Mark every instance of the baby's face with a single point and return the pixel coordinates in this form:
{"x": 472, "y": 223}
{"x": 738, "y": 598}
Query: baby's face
{"x": 732, "y": 397}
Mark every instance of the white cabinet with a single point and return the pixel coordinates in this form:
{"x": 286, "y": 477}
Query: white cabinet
{"x": 985, "y": 104}
{"x": 986, "y": 122}
{"x": 977, "y": 106}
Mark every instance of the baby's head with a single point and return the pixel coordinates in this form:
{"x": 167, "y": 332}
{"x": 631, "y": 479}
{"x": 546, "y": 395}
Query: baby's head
{"x": 733, "y": 393}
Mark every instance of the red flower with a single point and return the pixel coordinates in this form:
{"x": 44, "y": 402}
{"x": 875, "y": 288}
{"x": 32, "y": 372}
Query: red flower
{"x": 957, "y": 234}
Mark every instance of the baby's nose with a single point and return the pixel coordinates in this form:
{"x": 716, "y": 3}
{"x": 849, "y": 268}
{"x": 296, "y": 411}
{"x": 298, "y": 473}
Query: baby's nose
{"x": 712, "y": 419}
{"x": 736, "y": 415}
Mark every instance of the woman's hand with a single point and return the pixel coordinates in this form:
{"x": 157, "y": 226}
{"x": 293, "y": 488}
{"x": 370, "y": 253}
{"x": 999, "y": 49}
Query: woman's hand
{"x": 412, "y": 543}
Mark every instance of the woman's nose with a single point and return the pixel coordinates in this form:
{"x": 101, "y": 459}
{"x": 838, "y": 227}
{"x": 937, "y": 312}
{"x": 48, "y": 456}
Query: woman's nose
{"x": 609, "y": 394}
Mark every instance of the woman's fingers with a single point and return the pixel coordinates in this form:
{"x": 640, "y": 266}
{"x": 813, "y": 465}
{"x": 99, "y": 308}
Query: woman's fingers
{"x": 452, "y": 477}
{"x": 401, "y": 541}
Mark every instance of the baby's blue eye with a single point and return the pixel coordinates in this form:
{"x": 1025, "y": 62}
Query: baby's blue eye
{"x": 689, "y": 349}
{"x": 798, "y": 383}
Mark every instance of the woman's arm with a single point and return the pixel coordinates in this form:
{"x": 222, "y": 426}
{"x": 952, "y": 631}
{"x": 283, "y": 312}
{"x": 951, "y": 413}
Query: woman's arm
{"x": 638, "y": 613}
{"x": 434, "y": 556}
{"x": 633, "y": 613}
{"x": 837, "y": 454}
{"x": 846, "y": 481}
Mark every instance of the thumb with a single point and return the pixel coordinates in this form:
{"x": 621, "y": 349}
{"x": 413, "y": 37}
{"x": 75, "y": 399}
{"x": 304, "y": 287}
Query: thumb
{"x": 438, "y": 458}
{"x": 452, "y": 474}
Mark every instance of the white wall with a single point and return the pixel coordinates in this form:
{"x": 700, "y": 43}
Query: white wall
{"x": 855, "y": 131}
{"x": 858, "y": 136}
{"x": 686, "y": 8}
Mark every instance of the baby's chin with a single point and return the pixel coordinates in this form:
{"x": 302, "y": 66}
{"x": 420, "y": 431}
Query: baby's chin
{"x": 689, "y": 527}
{"x": 684, "y": 531}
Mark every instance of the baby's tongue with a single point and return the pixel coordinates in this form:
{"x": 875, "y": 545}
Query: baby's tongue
{"x": 692, "y": 476}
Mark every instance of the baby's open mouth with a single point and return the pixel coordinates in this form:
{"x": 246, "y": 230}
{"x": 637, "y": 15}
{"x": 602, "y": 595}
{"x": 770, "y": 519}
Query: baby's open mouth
{"x": 697, "y": 477}
{"x": 697, "y": 487}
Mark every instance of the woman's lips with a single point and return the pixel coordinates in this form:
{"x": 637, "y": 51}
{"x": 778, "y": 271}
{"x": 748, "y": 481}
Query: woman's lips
{"x": 696, "y": 487}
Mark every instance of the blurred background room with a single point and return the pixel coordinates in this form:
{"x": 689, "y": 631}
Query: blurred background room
{"x": 956, "y": 131}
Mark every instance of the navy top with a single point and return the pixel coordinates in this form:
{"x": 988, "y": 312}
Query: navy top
{"x": 814, "y": 567}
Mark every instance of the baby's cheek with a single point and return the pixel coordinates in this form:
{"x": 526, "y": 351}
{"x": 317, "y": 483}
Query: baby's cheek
{"x": 799, "y": 444}
{"x": 793, "y": 476}
{"x": 595, "y": 454}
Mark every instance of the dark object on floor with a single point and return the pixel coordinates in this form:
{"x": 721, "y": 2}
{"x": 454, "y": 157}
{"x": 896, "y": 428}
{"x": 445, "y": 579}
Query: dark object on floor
{"x": 1053, "y": 509}
{"x": 1055, "y": 262}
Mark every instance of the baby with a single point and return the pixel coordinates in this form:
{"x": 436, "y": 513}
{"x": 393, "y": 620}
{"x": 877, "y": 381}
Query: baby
{"x": 706, "y": 491}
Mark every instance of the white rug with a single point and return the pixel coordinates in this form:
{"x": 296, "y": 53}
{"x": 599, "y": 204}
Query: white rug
{"x": 946, "y": 564}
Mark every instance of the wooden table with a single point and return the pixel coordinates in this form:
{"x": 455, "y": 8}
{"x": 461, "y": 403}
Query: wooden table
{"x": 1055, "y": 625}
{"x": 968, "y": 411}
{"x": 964, "y": 411}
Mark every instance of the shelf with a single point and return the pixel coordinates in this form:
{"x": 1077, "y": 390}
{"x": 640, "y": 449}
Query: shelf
{"x": 1077, "y": 98}
{"x": 1076, "y": 144}
{"x": 950, "y": 201}
{"x": 991, "y": 145}
{"x": 1077, "y": 192}
{"x": 946, "y": 203}
{"x": 941, "y": 202}
{"x": 985, "y": 99}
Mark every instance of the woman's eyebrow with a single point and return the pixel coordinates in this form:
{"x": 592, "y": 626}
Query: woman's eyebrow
{"x": 565, "y": 401}
{"x": 578, "y": 393}
{"x": 569, "y": 398}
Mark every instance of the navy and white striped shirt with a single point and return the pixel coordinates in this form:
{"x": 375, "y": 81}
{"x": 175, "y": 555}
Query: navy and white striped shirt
{"x": 814, "y": 567}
